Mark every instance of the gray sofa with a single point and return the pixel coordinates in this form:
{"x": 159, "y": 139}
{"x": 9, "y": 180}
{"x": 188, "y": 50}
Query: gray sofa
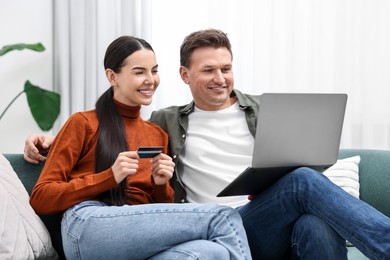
{"x": 374, "y": 174}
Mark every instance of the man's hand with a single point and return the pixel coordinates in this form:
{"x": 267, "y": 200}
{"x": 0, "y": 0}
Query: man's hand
{"x": 36, "y": 146}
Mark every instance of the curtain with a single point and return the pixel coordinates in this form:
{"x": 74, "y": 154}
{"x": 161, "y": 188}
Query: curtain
{"x": 82, "y": 32}
{"x": 340, "y": 46}
{"x": 279, "y": 46}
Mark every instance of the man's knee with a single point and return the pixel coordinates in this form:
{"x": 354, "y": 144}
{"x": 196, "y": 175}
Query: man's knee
{"x": 312, "y": 233}
{"x": 316, "y": 228}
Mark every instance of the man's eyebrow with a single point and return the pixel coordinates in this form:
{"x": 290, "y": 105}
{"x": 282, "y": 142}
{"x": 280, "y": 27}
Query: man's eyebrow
{"x": 213, "y": 66}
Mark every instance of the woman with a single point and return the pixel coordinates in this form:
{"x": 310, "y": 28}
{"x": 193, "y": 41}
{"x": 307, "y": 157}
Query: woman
{"x": 116, "y": 205}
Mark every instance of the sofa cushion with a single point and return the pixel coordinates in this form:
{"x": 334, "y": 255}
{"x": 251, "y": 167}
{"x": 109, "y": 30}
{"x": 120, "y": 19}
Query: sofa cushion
{"x": 23, "y": 234}
{"x": 345, "y": 174}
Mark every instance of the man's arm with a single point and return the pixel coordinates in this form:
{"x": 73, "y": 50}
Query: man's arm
{"x": 36, "y": 147}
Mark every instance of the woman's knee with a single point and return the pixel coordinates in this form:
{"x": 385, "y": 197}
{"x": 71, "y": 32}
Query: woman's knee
{"x": 196, "y": 249}
{"x": 226, "y": 212}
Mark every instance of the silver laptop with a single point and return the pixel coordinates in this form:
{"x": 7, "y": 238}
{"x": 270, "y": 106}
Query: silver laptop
{"x": 293, "y": 130}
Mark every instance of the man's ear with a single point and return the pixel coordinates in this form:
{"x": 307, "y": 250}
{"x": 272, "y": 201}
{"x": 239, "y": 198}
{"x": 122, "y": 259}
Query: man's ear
{"x": 110, "y": 74}
{"x": 184, "y": 74}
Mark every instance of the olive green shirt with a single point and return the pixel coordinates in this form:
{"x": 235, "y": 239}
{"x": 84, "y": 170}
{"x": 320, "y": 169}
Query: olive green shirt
{"x": 174, "y": 120}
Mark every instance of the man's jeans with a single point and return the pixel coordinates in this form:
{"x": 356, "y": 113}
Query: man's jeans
{"x": 92, "y": 230}
{"x": 307, "y": 211}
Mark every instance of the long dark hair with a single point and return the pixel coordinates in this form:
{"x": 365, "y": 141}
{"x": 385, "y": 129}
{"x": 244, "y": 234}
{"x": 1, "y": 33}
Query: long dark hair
{"x": 112, "y": 132}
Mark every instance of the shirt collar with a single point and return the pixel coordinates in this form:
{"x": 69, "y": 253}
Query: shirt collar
{"x": 127, "y": 111}
{"x": 243, "y": 102}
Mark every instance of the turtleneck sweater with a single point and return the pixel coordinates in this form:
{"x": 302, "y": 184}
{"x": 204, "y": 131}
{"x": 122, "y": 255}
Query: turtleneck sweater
{"x": 68, "y": 176}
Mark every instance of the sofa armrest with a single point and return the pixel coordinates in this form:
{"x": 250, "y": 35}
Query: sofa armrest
{"x": 374, "y": 176}
{"x": 28, "y": 174}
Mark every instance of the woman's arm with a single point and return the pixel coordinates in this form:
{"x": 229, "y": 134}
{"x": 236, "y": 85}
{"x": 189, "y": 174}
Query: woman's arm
{"x": 68, "y": 176}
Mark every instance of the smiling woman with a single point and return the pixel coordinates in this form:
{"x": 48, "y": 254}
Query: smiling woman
{"x": 134, "y": 84}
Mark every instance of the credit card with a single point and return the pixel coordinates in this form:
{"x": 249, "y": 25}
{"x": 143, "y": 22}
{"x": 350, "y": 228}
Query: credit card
{"x": 149, "y": 151}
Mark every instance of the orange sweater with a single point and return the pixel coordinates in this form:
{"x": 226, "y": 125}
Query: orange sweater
{"x": 69, "y": 177}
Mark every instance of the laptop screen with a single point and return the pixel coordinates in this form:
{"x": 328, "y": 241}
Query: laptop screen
{"x": 298, "y": 129}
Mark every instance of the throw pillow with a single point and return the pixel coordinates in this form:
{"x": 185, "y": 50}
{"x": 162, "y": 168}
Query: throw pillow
{"x": 345, "y": 174}
{"x": 22, "y": 233}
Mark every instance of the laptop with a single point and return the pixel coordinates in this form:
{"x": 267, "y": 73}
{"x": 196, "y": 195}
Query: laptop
{"x": 293, "y": 130}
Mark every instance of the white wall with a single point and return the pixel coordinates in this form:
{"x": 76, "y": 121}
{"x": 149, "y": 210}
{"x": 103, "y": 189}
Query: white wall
{"x": 23, "y": 21}
{"x": 296, "y": 46}
{"x": 292, "y": 46}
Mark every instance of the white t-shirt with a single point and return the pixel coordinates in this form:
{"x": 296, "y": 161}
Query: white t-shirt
{"x": 220, "y": 148}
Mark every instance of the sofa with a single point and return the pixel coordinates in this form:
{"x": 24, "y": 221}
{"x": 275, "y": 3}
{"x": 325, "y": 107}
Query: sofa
{"x": 374, "y": 179}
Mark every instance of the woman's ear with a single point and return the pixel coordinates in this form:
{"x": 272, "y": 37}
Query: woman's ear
{"x": 111, "y": 76}
{"x": 184, "y": 74}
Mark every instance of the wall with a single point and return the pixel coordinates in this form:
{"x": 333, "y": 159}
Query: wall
{"x": 23, "y": 21}
{"x": 284, "y": 46}
{"x": 293, "y": 46}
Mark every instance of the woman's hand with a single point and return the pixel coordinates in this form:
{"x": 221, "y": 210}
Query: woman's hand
{"x": 126, "y": 164}
{"x": 162, "y": 168}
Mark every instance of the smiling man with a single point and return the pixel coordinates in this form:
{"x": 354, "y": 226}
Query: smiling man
{"x": 211, "y": 79}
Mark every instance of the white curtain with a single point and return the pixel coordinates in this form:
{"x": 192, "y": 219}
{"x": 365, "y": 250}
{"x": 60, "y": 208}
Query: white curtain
{"x": 292, "y": 46}
{"x": 279, "y": 46}
{"x": 82, "y": 32}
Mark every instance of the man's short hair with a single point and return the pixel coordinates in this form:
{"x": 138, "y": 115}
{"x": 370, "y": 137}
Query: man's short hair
{"x": 203, "y": 38}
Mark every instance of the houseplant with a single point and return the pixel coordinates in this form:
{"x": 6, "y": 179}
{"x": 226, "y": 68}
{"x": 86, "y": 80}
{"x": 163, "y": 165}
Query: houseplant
{"x": 44, "y": 104}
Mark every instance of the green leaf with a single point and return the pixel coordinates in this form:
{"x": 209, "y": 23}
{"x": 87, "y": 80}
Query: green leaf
{"x": 44, "y": 105}
{"x": 21, "y": 46}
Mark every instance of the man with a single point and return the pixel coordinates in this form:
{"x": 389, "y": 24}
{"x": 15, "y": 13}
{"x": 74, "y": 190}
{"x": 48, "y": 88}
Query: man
{"x": 303, "y": 215}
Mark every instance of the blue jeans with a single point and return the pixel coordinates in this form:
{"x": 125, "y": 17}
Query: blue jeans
{"x": 93, "y": 230}
{"x": 307, "y": 216}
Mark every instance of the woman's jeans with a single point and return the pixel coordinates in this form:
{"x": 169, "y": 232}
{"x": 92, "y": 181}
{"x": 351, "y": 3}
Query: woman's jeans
{"x": 307, "y": 212}
{"x": 93, "y": 230}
